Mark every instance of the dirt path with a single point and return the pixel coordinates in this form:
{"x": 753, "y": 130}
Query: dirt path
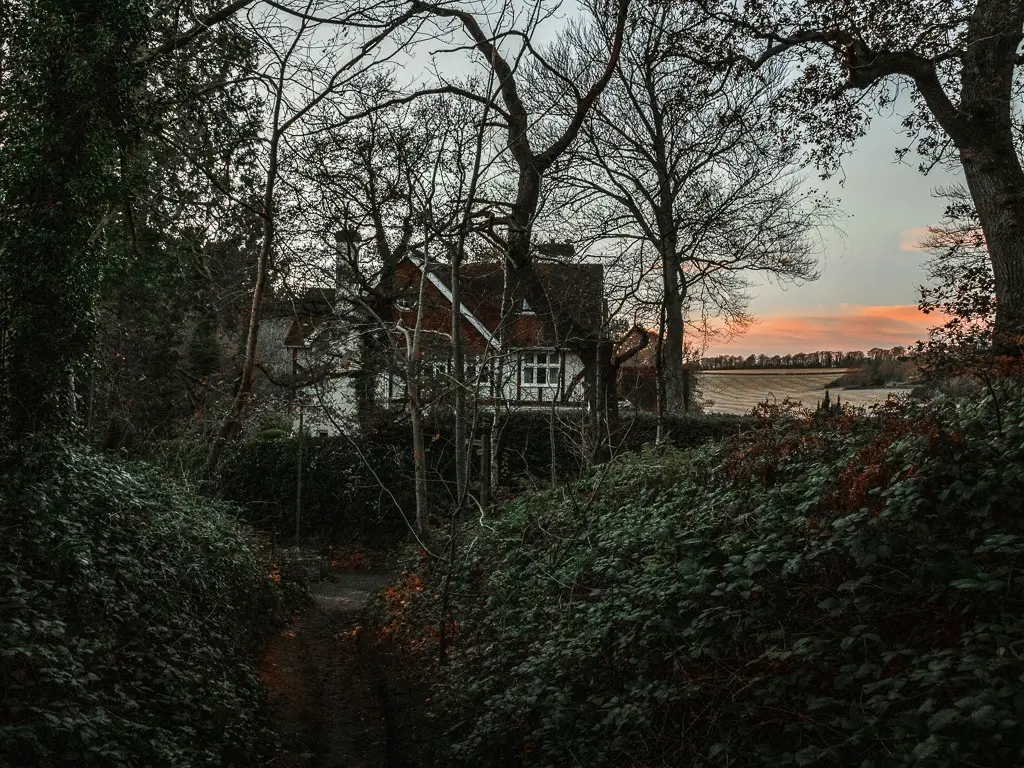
{"x": 328, "y": 703}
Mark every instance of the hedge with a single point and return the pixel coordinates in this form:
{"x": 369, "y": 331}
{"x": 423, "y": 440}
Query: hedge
{"x": 362, "y": 488}
{"x": 130, "y": 609}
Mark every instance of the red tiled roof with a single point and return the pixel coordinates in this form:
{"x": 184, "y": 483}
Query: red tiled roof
{"x": 575, "y": 293}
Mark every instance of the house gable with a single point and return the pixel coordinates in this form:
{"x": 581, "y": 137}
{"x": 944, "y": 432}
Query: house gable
{"x": 575, "y": 294}
{"x": 437, "y": 307}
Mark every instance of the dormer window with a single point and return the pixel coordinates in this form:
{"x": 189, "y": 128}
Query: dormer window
{"x": 527, "y": 309}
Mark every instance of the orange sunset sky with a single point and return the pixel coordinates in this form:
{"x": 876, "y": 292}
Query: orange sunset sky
{"x": 871, "y": 265}
{"x": 851, "y": 327}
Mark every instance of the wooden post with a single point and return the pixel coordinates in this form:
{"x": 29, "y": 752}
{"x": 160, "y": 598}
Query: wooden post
{"x": 485, "y": 467}
{"x": 298, "y": 481}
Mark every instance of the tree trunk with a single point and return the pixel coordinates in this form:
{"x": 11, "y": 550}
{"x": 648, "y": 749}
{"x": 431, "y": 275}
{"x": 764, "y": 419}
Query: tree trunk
{"x": 498, "y": 363}
{"x": 600, "y": 376}
{"x": 462, "y": 448}
{"x": 982, "y": 128}
{"x": 659, "y": 380}
{"x": 494, "y": 448}
{"x": 419, "y": 454}
{"x": 485, "y": 466}
{"x": 996, "y": 182}
{"x": 519, "y": 266}
{"x": 413, "y": 370}
{"x": 610, "y": 394}
{"x": 673, "y": 374}
{"x": 66, "y": 114}
{"x": 672, "y": 392}
{"x": 233, "y": 421}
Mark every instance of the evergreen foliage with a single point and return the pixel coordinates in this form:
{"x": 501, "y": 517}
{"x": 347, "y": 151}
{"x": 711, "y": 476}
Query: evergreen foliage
{"x": 354, "y": 491}
{"x": 69, "y": 81}
{"x": 129, "y": 613}
{"x": 838, "y": 591}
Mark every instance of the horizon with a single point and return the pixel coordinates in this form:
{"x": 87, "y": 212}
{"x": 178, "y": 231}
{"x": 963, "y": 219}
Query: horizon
{"x": 871, "y": 262}
{"x": 851, "y": 328}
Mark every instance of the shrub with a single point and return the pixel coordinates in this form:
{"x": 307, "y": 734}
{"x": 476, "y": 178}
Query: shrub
{"x": 877, "y": 372}
{"x": 357, "y": 490}
{"x": 349, "y": 490}
{"x": 129, "y": 614}
{"x": 817, "y": 592}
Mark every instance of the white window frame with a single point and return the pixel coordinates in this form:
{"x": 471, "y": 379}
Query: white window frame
{"x": 436, "y": 369}
{"x": 540, "y": 364}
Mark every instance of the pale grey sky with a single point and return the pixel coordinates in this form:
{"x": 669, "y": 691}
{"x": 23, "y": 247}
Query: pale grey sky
{"x": 887, "y": 206}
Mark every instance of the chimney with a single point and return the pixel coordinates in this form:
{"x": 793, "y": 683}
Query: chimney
{"x": 561, "y": 252}
{"x": 346, "y": 249}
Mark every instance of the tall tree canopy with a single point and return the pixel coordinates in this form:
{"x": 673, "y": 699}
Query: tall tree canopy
{"x": 83, "y": 84}
{"x": 69, "y": 81}
{"x": 960, "y": 60}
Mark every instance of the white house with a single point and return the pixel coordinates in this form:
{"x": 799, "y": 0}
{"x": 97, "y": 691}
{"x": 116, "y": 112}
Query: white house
{"x": 516, "y": 361}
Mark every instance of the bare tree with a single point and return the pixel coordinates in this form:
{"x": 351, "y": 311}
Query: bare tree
{"x": 690, "y": 168}
{"x": 518, "y": 123}
{"x": 301, "y": 74}
{"x": 360, "y": 178}
{"x": 531, "y": 164}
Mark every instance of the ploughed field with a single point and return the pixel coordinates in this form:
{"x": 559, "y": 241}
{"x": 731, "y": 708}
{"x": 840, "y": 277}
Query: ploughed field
{"x": 739, "y": 391}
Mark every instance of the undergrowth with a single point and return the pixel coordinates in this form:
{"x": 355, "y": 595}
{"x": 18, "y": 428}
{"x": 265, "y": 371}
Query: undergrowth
{"x": 824, "y": 590}
{"x": 130, "y": 610}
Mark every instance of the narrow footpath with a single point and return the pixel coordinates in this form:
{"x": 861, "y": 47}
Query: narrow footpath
{"x": 328, "y": 699}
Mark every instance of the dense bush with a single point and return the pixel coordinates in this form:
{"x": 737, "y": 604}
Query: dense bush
{"x": 821, "y": 591}
{"x": 526, "y": 439}
{"x": 350, "y": 490}
{"x": 129, "y": 610}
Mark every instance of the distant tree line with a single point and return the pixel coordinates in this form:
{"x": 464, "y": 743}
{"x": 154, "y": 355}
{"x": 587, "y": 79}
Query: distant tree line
{"x": 822, "y": 359}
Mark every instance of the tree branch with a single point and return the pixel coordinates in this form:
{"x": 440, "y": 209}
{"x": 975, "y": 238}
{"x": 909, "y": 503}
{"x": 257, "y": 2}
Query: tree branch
{"x": 516, "y": 115}
{"x": 583, "y": 105}
{"x": 188, "y": 37}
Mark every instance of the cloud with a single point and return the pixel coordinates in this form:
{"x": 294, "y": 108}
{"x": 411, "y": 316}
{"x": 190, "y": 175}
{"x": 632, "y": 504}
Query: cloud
{"x": 852, "y": 327}
{"x": 910, "y": 239}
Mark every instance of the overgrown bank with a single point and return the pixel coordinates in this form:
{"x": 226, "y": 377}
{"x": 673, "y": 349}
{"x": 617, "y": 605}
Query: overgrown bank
{"x": 130, "y": 613}
{"x": 823, "y": 591}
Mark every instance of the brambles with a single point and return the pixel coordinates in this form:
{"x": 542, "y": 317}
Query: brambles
{"x": 833, "y": 591}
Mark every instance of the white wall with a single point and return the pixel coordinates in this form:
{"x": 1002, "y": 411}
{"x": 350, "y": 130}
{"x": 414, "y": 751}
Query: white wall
{"x": 330, "y": 405}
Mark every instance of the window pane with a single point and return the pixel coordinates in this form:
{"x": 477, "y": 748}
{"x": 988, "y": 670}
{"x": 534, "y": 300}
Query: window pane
{"x": 528, "y": 375}
{"x": 542, "y": 375}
